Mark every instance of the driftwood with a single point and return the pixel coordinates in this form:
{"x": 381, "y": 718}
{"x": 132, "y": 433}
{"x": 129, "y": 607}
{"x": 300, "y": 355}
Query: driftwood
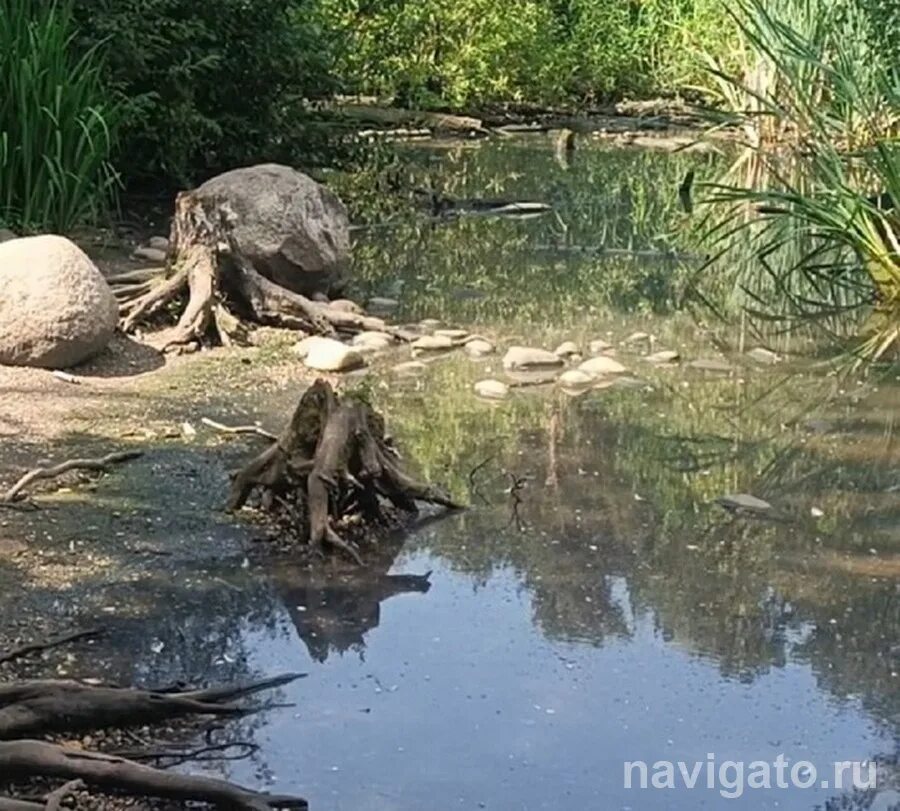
{"x": 223, "y": 289}
{"x": 101, "y": 464}
{"x": 43, "y": 707}
{"x": 238, "y": 429}
{"x": 331, "y": 464}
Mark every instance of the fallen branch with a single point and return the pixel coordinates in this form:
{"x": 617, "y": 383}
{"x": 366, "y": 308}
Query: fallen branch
{"x": 102, "y": 464}
{"x": 238, "y": 429}
{"x": 38, "y": 647}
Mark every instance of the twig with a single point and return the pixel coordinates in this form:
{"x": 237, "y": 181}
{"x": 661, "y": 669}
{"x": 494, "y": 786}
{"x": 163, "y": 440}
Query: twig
{"x": 66, "y": 377}
{"x": 238, "y": 429}
{"x": 517, "y": 484}
{"x": 473, "y": 484}
{"x": 37, "y": 647}
{"x": 100, "y": 464}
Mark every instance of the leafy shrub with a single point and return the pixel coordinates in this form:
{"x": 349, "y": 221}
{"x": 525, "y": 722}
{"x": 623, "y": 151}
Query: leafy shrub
{"x": 431, "y": 52}
{"x": 57, "y": 123}
{"x": 464, "y": 52}
{"x": 206, "y": 85}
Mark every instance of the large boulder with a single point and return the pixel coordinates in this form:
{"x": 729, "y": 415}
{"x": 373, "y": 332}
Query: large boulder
{"x": 295, "y": 231}
{"x": 56, "y": 309}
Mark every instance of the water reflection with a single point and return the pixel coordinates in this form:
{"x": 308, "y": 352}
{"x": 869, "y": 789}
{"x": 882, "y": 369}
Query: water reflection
{"x": 332, "y": 611}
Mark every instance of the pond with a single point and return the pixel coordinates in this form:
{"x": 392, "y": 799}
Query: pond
{"x": 595, "y": 605}
{"x": 607, "y": 611}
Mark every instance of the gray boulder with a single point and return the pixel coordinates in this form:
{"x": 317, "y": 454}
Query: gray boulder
{"x": 295, "y": 231}
{"x": 56, "y": 309}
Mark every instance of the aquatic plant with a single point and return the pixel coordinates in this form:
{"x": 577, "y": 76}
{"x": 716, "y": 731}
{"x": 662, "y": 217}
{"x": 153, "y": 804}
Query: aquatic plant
{"x": 820, "y": 214}
{"x": 57, "y": 121}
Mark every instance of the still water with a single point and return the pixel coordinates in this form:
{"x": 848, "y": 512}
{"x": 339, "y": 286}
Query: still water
{"x": 594, "y": 606}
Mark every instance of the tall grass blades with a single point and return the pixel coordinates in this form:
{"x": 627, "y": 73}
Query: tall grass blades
{"x": 57, "y": 122}
{"x": 821, "y": 209}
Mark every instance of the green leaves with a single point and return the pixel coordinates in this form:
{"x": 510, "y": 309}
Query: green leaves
{"x": 813, "y": 200}
{"x": 57, "y": 122}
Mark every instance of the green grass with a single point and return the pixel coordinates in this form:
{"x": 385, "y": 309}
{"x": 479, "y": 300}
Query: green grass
{"x": 57, "y": 123}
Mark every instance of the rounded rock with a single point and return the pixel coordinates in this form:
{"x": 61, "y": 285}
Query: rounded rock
{"x": 491, "y": 389}
{"x": 523, "y": 357}
{"x": 602, "y": 366}
{"x": 56, "y": 309}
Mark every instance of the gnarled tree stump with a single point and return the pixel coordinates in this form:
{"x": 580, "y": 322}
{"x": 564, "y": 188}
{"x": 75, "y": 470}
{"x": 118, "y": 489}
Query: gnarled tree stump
{"x": 218, "y": 289}
{"x": 332, "y": 464}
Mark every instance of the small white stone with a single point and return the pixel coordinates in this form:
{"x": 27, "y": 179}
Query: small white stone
{"x": 598, "y": 346}
{"x": 663, "y": 357}
{"x": 372, "y": 341}
{"x": 345, "y": 305}
{"x": 523, "y": 357}
{"x": 566, "y": 349}
{"x": 328, "y": 355}
{"x": 575, "y": 378}
{"x": 478, "y": 348}
{"x": 602, "y": 366}
{"x": 491, "y": 389}
{"x": 432, "y": 343}
{"x": 452, "y": 334}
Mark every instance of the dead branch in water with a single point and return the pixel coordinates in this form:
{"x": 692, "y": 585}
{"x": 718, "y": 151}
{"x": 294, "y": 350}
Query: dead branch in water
{"x": 101, "y": 464}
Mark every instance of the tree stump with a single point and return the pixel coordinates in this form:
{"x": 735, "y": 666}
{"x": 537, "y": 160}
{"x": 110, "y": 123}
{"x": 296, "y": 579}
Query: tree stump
{"x": 332, "y": 465}
{"x": 218, "y": 290}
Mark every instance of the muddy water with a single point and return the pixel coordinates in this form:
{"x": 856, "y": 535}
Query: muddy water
{"x": 594, "y": 606}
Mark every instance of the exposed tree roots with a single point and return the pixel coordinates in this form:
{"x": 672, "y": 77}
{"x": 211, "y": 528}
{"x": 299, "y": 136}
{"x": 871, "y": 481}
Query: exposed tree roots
{"x": 43, "y": 707}
{"x": 331, "y": 465}
{"x": 223, "y": 289}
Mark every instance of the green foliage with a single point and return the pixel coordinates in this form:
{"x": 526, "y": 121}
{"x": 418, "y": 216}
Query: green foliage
{"x": 464, "y": 52}
{"x": 818, "y": 211}
{"x": 208, "y": 86}
{"x": 57, "y": 124}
